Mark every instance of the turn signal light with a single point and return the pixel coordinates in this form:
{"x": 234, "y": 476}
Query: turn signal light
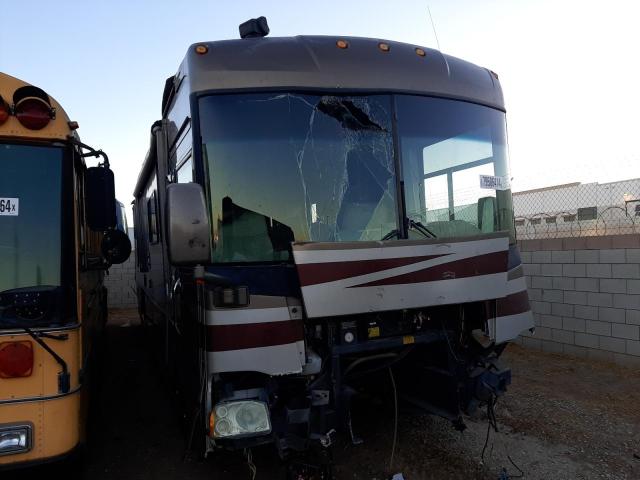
{"x": 16, "y": 359}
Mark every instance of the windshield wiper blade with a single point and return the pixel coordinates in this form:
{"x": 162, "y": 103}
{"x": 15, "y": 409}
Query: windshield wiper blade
{"x": 393, "y": 233}
{"x": 421, "y": 228}
{"x": 411, "y": 224}
{"x": 64, "y": 378}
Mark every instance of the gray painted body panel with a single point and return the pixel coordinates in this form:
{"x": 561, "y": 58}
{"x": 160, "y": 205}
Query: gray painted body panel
{"x": 315, "y": 62}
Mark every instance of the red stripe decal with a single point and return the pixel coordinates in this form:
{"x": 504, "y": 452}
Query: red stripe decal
{"x": 315, "y": 273}
{"x": 487, "y": 264}
{"x": 222, "y": 338}
{"x": 513, "y": 304}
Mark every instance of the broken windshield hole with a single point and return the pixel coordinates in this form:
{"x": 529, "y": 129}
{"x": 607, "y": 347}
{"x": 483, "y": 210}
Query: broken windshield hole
{"x": 347, "y": 113}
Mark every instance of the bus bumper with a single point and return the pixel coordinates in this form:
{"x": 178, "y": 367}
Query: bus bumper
{"x": 42, "y": 431}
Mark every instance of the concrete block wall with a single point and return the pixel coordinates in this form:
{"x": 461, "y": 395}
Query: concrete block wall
{"x": 120, "y": 283}
{"x": 585, "y": 296}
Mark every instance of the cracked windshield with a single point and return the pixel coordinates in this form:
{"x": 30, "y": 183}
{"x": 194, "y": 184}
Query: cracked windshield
{"x": 294, "y": 166}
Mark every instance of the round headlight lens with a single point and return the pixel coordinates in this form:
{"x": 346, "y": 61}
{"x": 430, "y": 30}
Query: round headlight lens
{"x": 223, "y": 427}
{"x": 221, "y": 411}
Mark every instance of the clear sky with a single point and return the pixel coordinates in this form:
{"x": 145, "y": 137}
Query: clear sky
{"x": 569, "y": 69}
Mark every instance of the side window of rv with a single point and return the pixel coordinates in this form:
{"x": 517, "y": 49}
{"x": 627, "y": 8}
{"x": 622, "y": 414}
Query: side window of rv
{"x": 152, "y": 218}
{"x": 140, "y": 234}
{"x": 185, "y": 172}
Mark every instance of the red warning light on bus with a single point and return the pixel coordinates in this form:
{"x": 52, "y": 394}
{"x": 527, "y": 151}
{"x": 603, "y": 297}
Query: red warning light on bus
{"x": 16, "y": 359}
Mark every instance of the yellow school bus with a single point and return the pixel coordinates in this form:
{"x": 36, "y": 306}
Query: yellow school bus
{"x": 58, "y": 235}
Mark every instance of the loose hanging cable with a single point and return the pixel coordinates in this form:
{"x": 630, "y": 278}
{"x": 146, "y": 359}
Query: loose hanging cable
{"x": 252, "y": 467}
{"x": 493, "y": 423}
{"x": 491, "y": 417}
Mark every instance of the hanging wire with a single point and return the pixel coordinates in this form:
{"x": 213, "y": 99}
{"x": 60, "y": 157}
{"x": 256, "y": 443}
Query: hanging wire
{"x": 252, "y": 468}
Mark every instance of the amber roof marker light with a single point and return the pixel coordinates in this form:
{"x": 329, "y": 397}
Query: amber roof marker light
{"x": 201, "y": 49}
{"x": 384, "y": 47}
{"x": 342, "y": 44}
{"x": 420, "y": 52}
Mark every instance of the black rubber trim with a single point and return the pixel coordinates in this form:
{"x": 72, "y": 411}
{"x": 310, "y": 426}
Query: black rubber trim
{"x": 41, "y": 399}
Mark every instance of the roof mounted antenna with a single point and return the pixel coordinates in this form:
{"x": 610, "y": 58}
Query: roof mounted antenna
{"x": 254, "y": 28}
{"x": 433, "y": 25}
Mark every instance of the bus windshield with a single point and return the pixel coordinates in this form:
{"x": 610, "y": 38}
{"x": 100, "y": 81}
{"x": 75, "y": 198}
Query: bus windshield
{"x": 289, "y": 166}
{"x": 454, "y": 166}
{"x": 30, "y": 216}
{"x": 295, "y": 166}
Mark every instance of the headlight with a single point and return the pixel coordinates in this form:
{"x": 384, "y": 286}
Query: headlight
{"x": 15, "y": 439}
{"x": 241, "y": 418}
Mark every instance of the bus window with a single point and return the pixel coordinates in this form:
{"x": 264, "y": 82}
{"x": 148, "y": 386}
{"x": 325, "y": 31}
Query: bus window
{"x": 185, "y": 172}
{"x": 447, "y": 148}
{"x": 121, "y": 217}
{"x": 152, "y": 218}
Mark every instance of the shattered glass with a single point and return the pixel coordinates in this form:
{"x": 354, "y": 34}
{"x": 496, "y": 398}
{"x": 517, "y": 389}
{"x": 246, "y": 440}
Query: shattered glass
{"x": 317, "y": 168}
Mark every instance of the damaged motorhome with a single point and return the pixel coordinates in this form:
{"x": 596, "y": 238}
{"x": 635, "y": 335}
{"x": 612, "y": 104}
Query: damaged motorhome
{"x": 316, "y": 209}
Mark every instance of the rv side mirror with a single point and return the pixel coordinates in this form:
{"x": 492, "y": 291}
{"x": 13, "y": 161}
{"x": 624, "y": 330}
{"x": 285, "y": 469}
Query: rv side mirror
{"x": 100, "y": 199}
{"x": 487, "y": 214}
{"x": 188, "y": 229}
{"x": 115, "y": 246}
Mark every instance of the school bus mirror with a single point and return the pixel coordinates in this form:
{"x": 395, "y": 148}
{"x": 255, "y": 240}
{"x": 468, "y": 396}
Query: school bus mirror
{"x": 100, "y": 199}
{"x": 188, "y": 228}
{"x": 115, "y": 246}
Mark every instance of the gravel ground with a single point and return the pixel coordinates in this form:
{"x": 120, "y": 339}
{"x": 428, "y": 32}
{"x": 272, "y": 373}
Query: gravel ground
{"x": 563, "y": 418}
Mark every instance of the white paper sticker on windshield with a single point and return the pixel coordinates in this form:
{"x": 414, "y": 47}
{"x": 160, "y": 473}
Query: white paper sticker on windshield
{"x": 494, "y": 183}
{"x": 9, "y": 206}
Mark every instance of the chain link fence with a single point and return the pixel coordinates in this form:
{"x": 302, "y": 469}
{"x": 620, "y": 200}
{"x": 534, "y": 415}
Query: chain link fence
{"x": 578, "y": 210}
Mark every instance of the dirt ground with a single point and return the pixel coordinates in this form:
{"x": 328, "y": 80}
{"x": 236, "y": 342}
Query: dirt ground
{"x": 563, "y": 418}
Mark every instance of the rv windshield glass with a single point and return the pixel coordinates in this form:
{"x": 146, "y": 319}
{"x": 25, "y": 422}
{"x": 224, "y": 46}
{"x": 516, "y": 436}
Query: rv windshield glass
{"x": 285, "y": 166}
{"x": 30, "y": 229}
{"x": 295, "y": 166}
{"x": 454, "y": 166}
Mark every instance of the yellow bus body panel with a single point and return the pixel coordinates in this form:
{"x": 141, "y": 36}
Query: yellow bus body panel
{"x": 59, "y": 420}
{"x": 56, "y": 420}
{"x": 43, "y": 381}
{"x": 56, "y": 427}
{"x": 57, "y": 129}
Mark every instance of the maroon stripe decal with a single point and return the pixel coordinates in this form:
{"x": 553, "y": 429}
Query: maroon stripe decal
{"x": 222, "y": 338}
{"x": 315, "y": 273}
{"x": 486, "y": 264}
{"x": 513, "y": 304}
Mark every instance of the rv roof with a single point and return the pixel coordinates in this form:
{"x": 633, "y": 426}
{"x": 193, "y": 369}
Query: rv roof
{"x": 318, "y": 63}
